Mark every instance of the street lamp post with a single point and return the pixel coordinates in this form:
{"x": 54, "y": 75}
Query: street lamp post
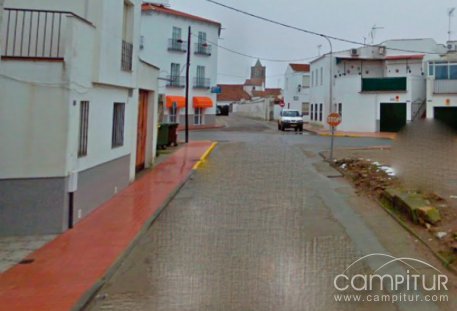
{"x": 331, "y": 73}
{"x": 332, "y": 139}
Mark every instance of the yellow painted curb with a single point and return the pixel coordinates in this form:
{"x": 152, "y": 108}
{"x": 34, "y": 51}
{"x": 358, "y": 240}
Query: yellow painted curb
{"x": 205, "y": 156}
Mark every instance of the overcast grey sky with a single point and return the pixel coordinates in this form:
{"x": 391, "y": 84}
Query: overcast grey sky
{"x": 351, "y": 19}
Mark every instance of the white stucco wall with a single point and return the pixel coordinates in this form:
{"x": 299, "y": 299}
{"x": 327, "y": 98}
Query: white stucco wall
{"x": 1, "y": 28}
{"x": 320, "y": 93}
{"x": 40, "y": 100}
{"x": 438, "y": 100}
{"x": 156, "y": 30}
{"x": 361, "y": 111}
{"x": 33, "y": 119}
{"x": 293, "y": 98}
{"x": 259, "y": 109}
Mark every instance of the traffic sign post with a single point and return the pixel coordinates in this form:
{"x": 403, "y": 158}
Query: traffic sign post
{"x": 333, "y": 119}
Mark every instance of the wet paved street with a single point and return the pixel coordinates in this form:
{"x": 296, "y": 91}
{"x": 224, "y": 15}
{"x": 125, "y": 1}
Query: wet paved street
{"x": 264, "y": 224}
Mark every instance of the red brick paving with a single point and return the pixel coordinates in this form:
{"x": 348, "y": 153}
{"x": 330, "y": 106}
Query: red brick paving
{"x": 67, "y": 267}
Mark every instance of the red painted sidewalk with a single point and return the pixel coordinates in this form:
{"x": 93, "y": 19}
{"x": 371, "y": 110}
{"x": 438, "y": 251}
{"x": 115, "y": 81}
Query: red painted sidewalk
{"x": 69, "y": 266}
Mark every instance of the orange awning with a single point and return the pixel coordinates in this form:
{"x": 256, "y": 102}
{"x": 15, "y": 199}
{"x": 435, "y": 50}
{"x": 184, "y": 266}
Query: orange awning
{"x": 179, "y": 100}
{"x": 203, "y": 102}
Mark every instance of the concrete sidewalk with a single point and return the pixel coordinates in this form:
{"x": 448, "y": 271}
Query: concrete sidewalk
{"x": 63, "y": 273}
{"x": 325, "y": 132}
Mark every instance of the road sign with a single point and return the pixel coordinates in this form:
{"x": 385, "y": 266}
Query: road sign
{"x": 216, "y": 90}
{"x": 282, "y": 104}
{"x": 334, "y": 119}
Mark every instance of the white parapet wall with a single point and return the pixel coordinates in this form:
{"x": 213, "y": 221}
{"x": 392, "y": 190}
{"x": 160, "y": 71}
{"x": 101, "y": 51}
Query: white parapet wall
{"x": 261, "y": 109}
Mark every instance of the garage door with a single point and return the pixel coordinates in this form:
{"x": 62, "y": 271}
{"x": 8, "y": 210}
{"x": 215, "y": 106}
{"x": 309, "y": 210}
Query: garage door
{"x": 393, "y": 117}
{"x": 447, "y": 115}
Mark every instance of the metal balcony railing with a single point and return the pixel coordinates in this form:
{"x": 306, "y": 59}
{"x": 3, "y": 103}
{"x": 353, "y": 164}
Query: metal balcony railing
{"x": 36, "y": 34}
{"x": 445, "y": 87}
{"x": 384, "y": 84}
{"x": 202, "y": 49}
{"x": 127, "y": 56}
{"x": 201, "y": 83}
{"x": 177, "y": 45}
{"x": 176, "y": 81}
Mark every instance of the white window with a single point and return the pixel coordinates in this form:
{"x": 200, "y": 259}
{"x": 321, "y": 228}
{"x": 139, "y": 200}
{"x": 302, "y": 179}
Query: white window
{"x": 316, "y": 76}
{"x": 198, "y": 117}
{"x": 175, "y": 72}
{"x": 118, "y": 125}
{"x": 200, "y": 80}
{"x": 305, "y": 109}
{"x": 83, "y": 128}
{"x": 201, "y": 38}
{"x": 176, "y": 35}
{"x": 305, "y": 82}
{"x": 322, "y": 76}
{"x": 173, "y": 114}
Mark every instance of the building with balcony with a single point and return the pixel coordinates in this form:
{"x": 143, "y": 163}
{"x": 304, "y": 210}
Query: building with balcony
{"x": 442, "y": 87}
{"x": 296, "y": 88}
{"x": 374, "y": 88}
{"x": 79, "y": 110}
{"x": 164, "y": 38}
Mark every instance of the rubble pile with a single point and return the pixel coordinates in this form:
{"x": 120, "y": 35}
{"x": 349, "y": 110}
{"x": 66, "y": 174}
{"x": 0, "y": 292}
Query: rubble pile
{"x": 368, "y": 177}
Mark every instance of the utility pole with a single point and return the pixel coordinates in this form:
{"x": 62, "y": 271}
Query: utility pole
{"x": 450, "y": 14}
{"x": 187, "y": 86}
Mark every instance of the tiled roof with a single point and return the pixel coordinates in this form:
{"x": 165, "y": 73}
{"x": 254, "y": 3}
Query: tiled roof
{"x": 232, "y": 92}
{"x": 254, "y": 82}
{"x": 300, "y": 67}
{"x": 275, "y": 92}
{"x": 162, "y": 9}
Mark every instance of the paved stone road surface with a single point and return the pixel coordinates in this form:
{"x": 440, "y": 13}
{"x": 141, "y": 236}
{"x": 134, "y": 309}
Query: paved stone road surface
{"x": 263, "y": 225}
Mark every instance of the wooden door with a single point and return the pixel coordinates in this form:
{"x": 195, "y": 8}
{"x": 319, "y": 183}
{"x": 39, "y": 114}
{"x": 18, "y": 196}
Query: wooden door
{"x": 142, "y": 131}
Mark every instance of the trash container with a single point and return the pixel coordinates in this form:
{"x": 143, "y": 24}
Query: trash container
{"x": 163, "y": 136}
{"x": 173, "y": 134}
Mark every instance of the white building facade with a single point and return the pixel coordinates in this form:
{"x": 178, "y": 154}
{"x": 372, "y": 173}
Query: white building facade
{"x": 376, "y": 88}
{"x": 297, "y": 89}
{"x": 164, "y": 38}
{"x": 70, "y": 107}
{"x": 442, "y": 87}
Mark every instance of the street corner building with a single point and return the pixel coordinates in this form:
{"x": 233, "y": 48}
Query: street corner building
{"x": 165, "y": 40}
{"x": 381, "y": 88}
{"x": 442, "y": 87}
{"x": 296, "y": 89}
{"x": 78, "y": 110}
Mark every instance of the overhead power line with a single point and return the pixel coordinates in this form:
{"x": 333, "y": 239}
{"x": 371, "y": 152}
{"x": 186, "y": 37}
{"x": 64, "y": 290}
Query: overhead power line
{"x": 310, "y": 31}
{"x": 258, "y": 57}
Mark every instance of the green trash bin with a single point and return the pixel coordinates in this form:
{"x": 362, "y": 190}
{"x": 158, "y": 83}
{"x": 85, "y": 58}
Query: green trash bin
{"x": 173, "y": 134}
{"x": 163, "y": 136}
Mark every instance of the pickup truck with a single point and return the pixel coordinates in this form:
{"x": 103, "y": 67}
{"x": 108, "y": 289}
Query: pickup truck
{"x": 290, "y": 119}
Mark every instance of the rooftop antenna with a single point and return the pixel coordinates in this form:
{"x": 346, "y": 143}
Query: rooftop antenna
{"x": 450, "y": 13}
{"x": 373, "y": 32}
{"x": 319, "y": 49}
